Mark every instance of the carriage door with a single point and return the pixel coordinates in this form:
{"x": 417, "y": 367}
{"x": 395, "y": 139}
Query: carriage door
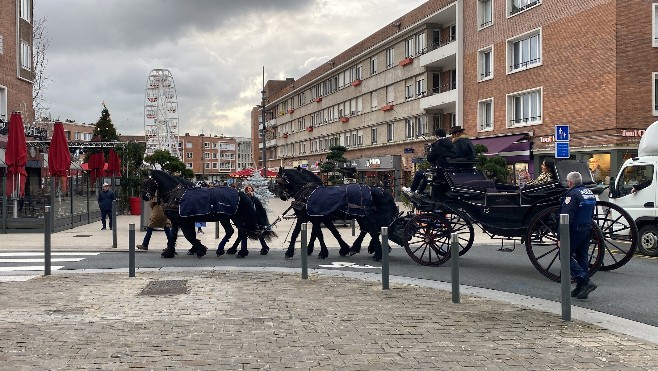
{"x": 643, "y": 202}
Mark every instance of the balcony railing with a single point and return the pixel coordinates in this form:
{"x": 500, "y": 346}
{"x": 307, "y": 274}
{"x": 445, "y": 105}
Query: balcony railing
{"x": 524, "y": 120}
{"x": 517, "y": 9}
{"x": 525, "y": 64}
{"x": 442, "y": 43}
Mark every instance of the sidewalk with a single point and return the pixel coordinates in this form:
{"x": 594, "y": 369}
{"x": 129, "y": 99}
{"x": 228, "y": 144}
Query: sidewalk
{"x": 235, "y": 318}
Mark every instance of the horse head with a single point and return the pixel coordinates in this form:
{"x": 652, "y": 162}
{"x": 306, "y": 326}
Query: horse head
{"x": 290, "y": 181}
{"x": 149, "y": 188}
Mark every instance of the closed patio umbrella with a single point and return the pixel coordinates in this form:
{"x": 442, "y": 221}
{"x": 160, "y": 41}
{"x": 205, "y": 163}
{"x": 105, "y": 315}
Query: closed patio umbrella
{"x": 96, "y": 165}
{"x": 16, "y": 156}
{"x": 59, "y": 157}
{"x": 113, "y": 164}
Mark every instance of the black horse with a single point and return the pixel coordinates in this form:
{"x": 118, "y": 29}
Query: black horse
{"x": 338, "y": 202}
{"x": 184, "y": 204}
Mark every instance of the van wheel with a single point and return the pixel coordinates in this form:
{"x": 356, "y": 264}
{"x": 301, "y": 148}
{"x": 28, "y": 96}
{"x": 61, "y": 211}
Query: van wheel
{"x": 649, "y": 240}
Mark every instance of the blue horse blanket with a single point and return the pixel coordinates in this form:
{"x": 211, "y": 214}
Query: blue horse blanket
{"x": 204, "y": 201}
{"x": 352, "y": 199}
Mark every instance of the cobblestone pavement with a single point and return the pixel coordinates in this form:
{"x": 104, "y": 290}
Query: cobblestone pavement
{"x": 211, "y": 320}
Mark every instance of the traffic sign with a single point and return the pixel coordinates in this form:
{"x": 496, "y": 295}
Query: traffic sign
{"x": 562, "y": 133}
{"x": 562, "y": 150}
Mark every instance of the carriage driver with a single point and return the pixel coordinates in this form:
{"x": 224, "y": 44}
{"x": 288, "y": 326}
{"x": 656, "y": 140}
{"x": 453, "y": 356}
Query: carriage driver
{"x": 579, "y": 203}
{"x": 441, "y": 150}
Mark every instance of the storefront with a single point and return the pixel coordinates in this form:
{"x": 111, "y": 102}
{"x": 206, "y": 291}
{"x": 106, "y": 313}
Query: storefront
{"x": 604, "y": 152}
{"x": 383, "y": 172}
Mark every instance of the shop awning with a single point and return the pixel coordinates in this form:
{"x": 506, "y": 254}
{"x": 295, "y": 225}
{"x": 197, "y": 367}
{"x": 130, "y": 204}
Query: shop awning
{"x": 502, "y": 144}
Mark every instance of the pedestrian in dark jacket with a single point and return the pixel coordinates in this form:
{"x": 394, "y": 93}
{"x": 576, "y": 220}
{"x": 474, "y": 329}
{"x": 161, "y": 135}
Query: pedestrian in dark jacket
{"x": 105, "y": 199}
{"x": 579, "y": 203}
{"x": 464, "y": 148}
{"x": 440, "y": 151}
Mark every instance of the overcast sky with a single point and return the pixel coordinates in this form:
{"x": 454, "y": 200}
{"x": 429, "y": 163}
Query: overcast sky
{"x": 103, "y": 51}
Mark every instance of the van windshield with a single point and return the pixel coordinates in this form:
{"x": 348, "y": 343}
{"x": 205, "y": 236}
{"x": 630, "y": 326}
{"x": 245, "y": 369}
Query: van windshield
{"x": 634, "y": 176}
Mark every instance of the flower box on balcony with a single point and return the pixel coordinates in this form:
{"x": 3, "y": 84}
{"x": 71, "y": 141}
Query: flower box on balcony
{"x": 285, "y": 135}
{"x": 291, "y": 111}
{"x": 344, "y": 119}
{"x": 356, "y": 82}
{"x": 406, "y": 61}
{"x": 318, "y": 99}
{"x": 387, "y": 107}
{"x": 309, "y": 129}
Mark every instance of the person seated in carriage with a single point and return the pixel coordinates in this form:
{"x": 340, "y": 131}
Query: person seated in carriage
{"x": 548, "y": 174}
{"x": 440, "y": 151}
{"x": 464, "y": 148}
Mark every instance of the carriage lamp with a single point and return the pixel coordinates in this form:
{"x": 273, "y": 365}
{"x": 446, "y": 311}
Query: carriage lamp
{"x": 429, "y": 176}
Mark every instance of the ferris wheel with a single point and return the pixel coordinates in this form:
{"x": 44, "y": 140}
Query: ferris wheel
{"x": 161, "y": 113}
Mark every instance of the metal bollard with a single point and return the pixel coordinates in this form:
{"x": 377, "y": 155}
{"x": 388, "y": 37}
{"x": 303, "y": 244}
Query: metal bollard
{"x": 131, "y": 250}
{"x": 385, "y": 248}
{"x": 216, "y": 230}
{"x": 353, "y": 222}
{"x": 304, "y": 252}
{"x": 454, "y": 266}
{"x": 46, "y": 242}
{"x": 565, "y": 266}
{"x": 113, "y": 223}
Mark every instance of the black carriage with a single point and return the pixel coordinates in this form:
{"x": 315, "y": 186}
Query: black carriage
{"x": 461, "y": 197}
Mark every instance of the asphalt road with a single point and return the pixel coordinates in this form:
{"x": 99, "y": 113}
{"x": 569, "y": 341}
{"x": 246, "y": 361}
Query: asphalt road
{"x": 627, "y": 292}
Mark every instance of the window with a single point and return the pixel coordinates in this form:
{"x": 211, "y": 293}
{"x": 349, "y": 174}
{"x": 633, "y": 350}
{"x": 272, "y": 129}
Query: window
{"x": 409, "y": 90}
{"x": 524, "y": 108}
{"x": 77, "y": 135}
{"x": 420, "y": 43}
{"x": 188, "y": 155}
{"x": 655, "y": 93}
{"x": 25, "y": 10}
{"x": 485, "y": 11}
{"x": 206, "y": 155}
{"x": 518, "y": 6}
{"x": 485, "y": 63}
{"x": 409, "y": 128}
{"x": 373, "y": 101}
{"x": 390, "y": 127}
{"x": 1, "y": 45}
{"x": 633, "y": 176}
{"x": 206, "y": 165}
{"x": 485, "y": 115}
{"x": 214, "y": 155}
{"x": 373, "y": 65}
{"x": 420, "y": 86}
{"x": 373, "y": 135}
{"x": 654, "y": 27}
{"x": 206, "y": 145}
{"x": 421, "y": 126}
{"x": 214, "y": 165}
{"x": 525, "y": 52}
{"x": 390, "y": 96}
{"x": 390, "y": 57}
{"x": 409, "y": 47}
{"x": 26, "y": 56}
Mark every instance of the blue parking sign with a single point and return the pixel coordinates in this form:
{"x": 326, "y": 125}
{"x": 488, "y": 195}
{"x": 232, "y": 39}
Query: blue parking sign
{"x": 562, "y": 150}
{"x": 561, "y": 133}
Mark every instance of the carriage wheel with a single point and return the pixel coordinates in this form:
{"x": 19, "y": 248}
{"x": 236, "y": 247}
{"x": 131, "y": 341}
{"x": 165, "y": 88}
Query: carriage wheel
{"x": 620, "y": 234}
{"x": 541, "y": 244}
{"x": 427, "y": 236}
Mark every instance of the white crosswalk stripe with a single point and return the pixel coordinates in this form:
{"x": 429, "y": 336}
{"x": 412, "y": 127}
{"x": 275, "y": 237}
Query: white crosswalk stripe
{"x": 19, "y": 262}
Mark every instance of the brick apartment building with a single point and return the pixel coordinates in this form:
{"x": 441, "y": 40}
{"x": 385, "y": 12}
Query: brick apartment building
{"x": 16, "y": 70}
{"x": 508, "y": 71}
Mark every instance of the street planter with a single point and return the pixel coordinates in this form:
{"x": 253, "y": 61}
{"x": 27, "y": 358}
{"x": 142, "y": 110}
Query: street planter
{"x": 356, "y": 82}
{"x": 387, "y": 107}
{"x": 309, "y": 129}
{"x": 344, "y": 119}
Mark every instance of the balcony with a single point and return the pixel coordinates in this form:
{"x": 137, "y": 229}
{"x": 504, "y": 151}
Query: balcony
{"x": 441, "y": 55}
{"x": 442, "y": 99}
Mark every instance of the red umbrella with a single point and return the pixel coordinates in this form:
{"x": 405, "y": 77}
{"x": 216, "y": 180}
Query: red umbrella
{"x": 59, "y": 157}
{"x": 16, "y": 155}
{"x": 113, "y": 164}
{"x": 96, "y": 164}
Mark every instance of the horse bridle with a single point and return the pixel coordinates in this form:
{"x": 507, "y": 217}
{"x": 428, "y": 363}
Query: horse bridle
{"x": 162, "y": 196}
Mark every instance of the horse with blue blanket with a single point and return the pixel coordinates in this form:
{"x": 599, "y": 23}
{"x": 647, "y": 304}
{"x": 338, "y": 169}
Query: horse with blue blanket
{"x": 184, "y": 204}
{"x": 371, "y": 207}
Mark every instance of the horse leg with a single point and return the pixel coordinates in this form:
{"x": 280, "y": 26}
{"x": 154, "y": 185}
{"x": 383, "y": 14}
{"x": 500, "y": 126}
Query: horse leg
{"x": 234, "y": 248}
{"x": 293, "y": 238}
{"x": 242, "y": 237}
{"x": 324, "y": 252}
{"x": 344, "y": 247}
{"x": 190, "y": 234}
{"x": 264, "y": 249}
{"x": 170, "y": 250}
{"x": 228, "y": 230}
{"x": 356, "y": 246}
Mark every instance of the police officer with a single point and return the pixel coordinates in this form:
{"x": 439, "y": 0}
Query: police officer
{"x": 579, "y": 203}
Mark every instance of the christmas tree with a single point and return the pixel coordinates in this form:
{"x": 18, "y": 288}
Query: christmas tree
{"x": 261, "y": 190}
{"x": 105, "y": 130}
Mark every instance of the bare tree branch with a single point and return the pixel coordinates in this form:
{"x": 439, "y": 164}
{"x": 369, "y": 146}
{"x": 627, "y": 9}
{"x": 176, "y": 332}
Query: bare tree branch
{"x": 41, "y": 42}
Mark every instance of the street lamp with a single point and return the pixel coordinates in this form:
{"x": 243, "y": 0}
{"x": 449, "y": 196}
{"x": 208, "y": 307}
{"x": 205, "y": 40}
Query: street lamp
{"x": 203, "y": 158}
{"x": 262, "y": 111}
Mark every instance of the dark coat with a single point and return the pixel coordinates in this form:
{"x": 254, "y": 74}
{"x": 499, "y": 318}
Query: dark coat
{"x": 579, "y": 203}
{"x": 464, "y": 148}
{"x": 105, "y": 199}
{"x": 441, "y": 150}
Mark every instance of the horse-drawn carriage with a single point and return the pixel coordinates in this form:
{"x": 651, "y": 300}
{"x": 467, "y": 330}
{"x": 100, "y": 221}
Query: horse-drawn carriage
{"x": 462, "y": 197}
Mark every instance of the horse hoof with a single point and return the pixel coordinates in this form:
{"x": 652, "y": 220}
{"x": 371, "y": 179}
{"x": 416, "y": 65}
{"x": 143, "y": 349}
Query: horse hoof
{"x": 220, "y": 252}
{"x": 242, "y": 254}
{"x": 264, "y": 251}
{"x": 200, "y": 254}
{"x": 231, "y": 251}
{"x": 342, "y": 252}
{"x": 289, "y": 254}
{"x": 191, "y": 251}
{"x": 168, "y": 254}
{"x": 322, "y": 256}
{"x": 377, "y": 259}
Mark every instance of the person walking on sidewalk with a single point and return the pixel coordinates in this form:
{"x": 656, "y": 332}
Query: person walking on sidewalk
{"x": 579, "y": 203}
{"x": 105, "y": 199}
{"x": 158, "y": 220}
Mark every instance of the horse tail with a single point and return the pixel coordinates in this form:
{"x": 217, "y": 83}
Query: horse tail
{"x": 268, "y": 235}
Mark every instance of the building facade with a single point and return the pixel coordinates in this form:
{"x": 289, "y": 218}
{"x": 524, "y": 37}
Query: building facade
{"x": 508, "y": 71}
{"x": 16, "y": 67}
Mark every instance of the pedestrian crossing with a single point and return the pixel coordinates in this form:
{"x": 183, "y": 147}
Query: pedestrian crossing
{"x": 32, "y": 263}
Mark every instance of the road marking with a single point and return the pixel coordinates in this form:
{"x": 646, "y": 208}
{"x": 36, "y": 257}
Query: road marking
{"x": 53, "y": 254}
{"x": 347, "y": 265}
{"x": 40, "y": 260}
{"x": 29, "y": 268}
